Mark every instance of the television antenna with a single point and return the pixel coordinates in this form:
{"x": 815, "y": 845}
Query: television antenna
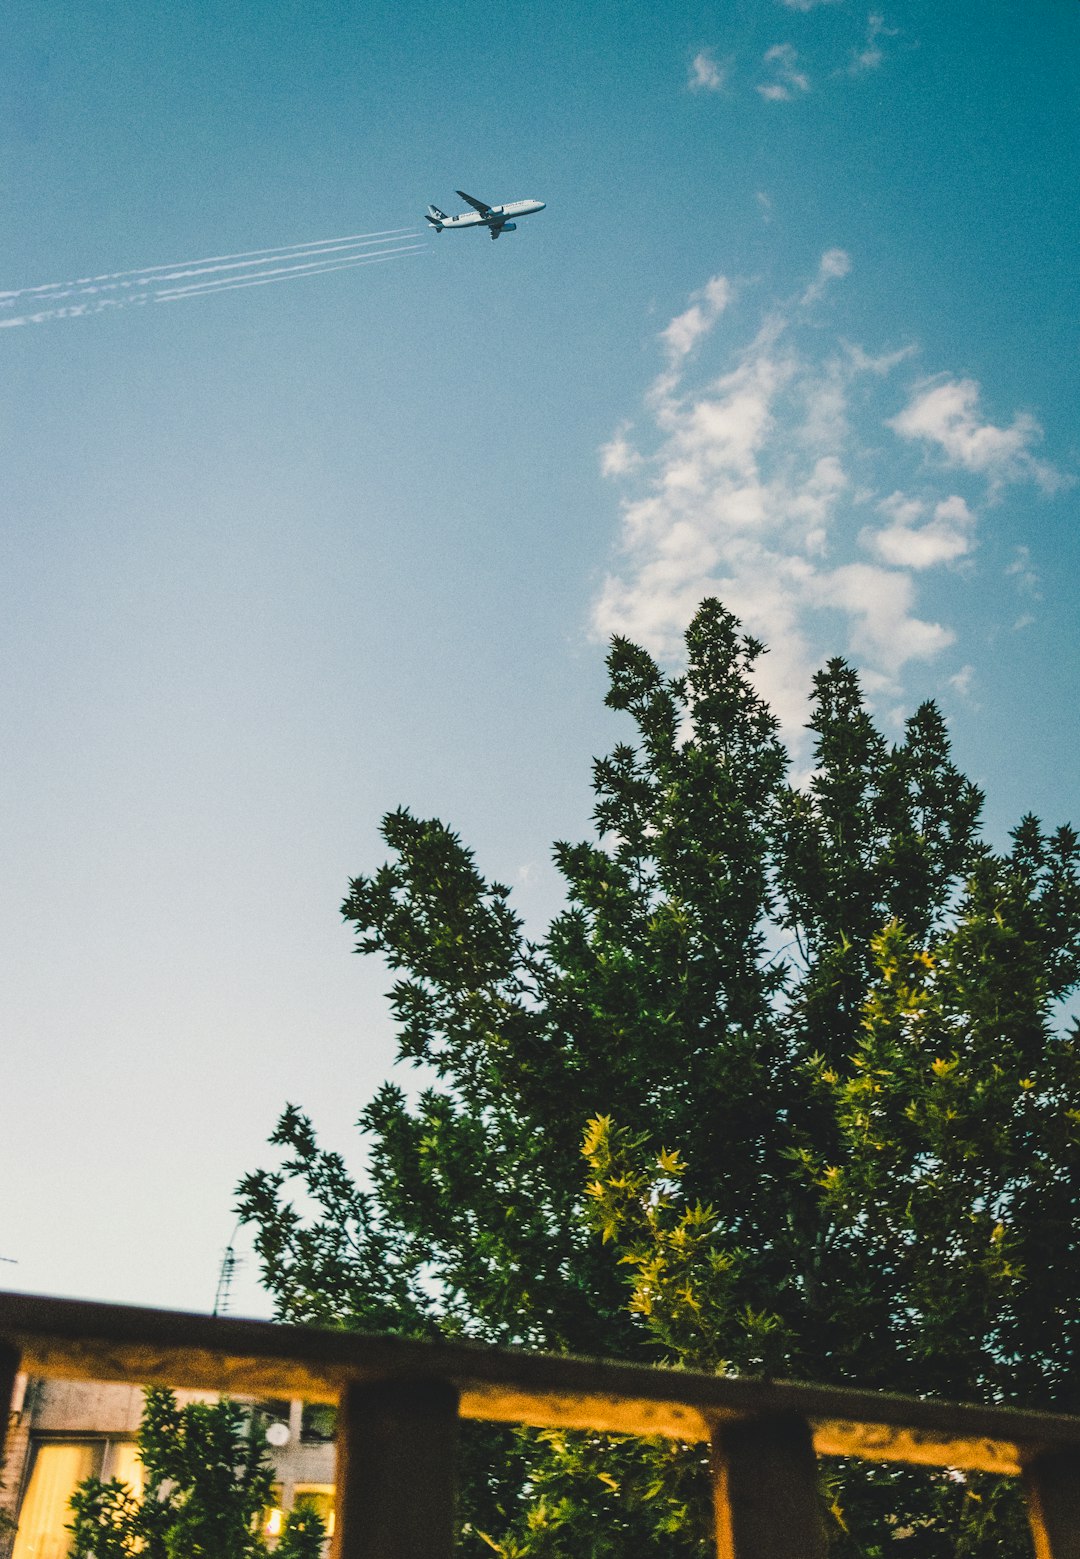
{"x": 229, "y": 1263}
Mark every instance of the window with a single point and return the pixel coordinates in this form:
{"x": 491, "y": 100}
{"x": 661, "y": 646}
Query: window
{"x": 319, "y": 1422}
{"x": 273, "y": 1518}
{"x": 57, "y": 1468}
{"x": 43, "y": 1518}
{"x": 317, "y": 1496}
{"x": 306, "y": 1496}
{"x": 122, "y": 1461}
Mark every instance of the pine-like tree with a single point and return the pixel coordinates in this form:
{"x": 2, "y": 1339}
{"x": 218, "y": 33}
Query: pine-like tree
{"x": 812, "y": 1040}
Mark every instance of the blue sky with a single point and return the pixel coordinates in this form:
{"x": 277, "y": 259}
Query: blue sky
{"x": 798, "y": 327}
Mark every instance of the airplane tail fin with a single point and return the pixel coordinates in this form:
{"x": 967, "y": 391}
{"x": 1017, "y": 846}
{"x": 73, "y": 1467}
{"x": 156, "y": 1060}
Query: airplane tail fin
{"x": 435, "y": 217}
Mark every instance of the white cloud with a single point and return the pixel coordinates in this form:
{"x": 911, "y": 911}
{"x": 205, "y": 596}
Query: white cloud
{"x": 1026, "y": 575}
{"x": 788, "y": 79}
{"x": 881, "y": 363}
{"x": 944, "y": 413}
{"x": 706, "y": 73}
{"x": 807, "y": 5}
{"x": 759, "y": 478}
{"x": 618, "y": 457}
{"x": 686, "y": 329}
{"x": 879, "y": 601}
{"x": 912, "y": 540}
{"x": 962, "y": 680}
{"x": 834, "y": 265}
{"x": 871, "y": 55}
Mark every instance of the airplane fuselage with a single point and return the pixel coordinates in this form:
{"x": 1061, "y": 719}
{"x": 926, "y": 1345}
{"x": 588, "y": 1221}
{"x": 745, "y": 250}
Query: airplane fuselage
{"x": 500, "y": 215}
{"x": 497, "y": 219}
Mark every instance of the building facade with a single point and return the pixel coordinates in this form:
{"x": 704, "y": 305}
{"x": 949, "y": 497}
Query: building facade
{"x": 62, "y": 1431}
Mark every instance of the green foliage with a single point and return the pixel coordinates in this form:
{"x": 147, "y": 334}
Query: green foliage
{"x": 687, "y": 1287}
{"x": 812, "y": 1040}
{"x": 107, "y": 1521}
{"x": 303, "y": 1536}
{"x": 603, "y": 1496}
{"x": 207, "y": 1482}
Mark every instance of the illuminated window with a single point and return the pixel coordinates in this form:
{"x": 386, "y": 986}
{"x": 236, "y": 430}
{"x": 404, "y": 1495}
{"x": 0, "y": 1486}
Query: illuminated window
{"x": 306, "y": 1496}
{"x": 122, "y": 1461}
{"x": 318, "y": 1497}
{"x": 57, "y": 1471}
{"x": 273, "y": 1518}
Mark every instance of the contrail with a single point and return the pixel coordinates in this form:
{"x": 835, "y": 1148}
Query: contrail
{"x": 73, "y": 311}
{"x": 193, "y": 268}
{"x": 248, "y": 265}
{"x": 316, "y": 268}
{"x": 150, "y": 271}
{"x": 214, "y": 273}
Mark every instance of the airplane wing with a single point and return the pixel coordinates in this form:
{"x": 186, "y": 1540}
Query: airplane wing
{"x": 485, "y": 211}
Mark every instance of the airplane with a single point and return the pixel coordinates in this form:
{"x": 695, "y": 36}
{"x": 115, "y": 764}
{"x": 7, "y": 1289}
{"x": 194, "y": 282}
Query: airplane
{"x": 495, "y": 218}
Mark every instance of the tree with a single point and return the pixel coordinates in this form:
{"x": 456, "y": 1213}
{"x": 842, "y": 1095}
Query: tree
{"x": 812, "y": 1042}
{"x": 207, "y": 1484}
{"x": 303, "y": 1535}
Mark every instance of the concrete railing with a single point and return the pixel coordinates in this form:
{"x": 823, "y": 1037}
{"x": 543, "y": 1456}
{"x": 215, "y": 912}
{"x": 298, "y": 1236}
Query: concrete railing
{"x": 400, "y": 1402}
